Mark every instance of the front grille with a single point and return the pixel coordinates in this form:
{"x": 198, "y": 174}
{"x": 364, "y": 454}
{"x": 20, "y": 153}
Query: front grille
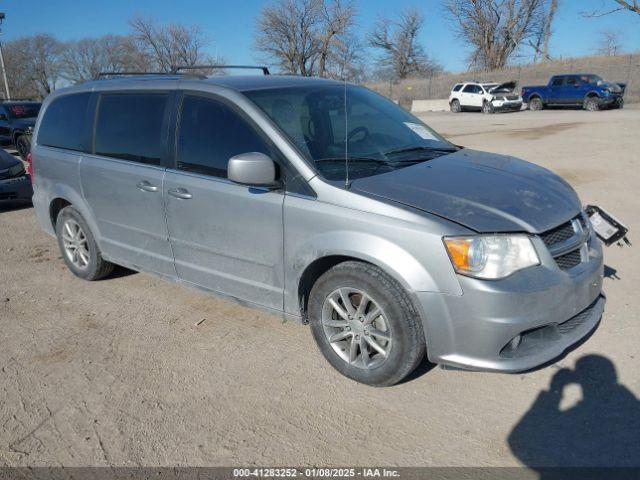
{"x": 568, "y": 236}
{"x": 558, "y": 234}
{"x": 578, "y": 320}
{"x": 569, "y": 260}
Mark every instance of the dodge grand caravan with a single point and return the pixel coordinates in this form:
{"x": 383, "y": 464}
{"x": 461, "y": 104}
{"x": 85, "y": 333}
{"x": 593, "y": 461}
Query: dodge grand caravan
{"x": 324, "y": 203}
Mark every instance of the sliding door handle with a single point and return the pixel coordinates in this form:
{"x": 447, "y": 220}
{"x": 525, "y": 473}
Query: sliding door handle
{"x": 180, "y": 193}
{"x": 146, "y": 186}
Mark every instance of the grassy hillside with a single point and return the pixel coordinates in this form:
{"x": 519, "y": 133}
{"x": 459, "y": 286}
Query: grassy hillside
{"x": 621, "y": 68}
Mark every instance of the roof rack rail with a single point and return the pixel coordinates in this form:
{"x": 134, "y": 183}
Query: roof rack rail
{"x": 133, "y": 74}
{"x": 265, "y": 70}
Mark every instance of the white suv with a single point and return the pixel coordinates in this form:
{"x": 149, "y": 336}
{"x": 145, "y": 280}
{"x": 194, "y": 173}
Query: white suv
{"x": 486, "y": 97}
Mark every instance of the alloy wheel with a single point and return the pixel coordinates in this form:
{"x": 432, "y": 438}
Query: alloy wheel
{"x": 75, "y": 244}
{"x": 356, "y": 328}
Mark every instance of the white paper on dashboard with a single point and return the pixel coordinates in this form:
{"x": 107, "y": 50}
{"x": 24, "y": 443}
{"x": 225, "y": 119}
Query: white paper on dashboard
{"x": 421, "y": 131}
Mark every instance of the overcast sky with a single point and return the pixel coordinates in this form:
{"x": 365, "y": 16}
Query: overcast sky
{"x": 230, "y": 24}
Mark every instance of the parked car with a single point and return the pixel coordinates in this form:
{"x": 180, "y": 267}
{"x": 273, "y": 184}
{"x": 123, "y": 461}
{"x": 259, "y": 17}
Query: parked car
{"x": 586, "y": 90}
{"x": 485, "y": 97}
{"x": 14, "y": 181}
{"x": 17, "y": 119}
{"x": 325, "y": 203}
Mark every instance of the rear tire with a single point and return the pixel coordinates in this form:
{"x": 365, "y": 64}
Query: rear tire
{"x": 23, "y": 146}
{"x": 591, "y": 104}
{"x": 377, "y": 343}
{"x": 455, "y": 106}
{"x": 78, "y": 246}
{"x": 535, "y": 104}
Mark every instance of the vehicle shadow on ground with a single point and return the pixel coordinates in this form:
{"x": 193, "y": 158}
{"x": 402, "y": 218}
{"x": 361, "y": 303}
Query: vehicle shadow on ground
{"x": 118, "y": 272}
{"x": 600, "y": 430}
{"x": 14, "y": 205}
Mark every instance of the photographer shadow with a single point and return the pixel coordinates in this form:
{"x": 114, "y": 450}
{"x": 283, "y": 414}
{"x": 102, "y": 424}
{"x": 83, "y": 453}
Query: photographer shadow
{"x": 601, "y": 430}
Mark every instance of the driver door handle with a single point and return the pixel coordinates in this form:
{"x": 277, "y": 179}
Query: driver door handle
{"x": 146, "y": 186}
{"x": 180, "y": 193}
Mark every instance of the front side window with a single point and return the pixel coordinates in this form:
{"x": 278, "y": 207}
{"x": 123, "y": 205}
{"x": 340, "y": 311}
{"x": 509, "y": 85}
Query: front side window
{"x": 330, "y": 123}
{"x": 64, "y": 123}
{"x": 130, "y": 125}
{"x": 210, "y": 133}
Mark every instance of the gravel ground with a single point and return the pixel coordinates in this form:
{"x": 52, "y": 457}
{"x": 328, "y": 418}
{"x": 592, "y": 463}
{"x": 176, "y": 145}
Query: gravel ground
{"x": 135, "y": 371}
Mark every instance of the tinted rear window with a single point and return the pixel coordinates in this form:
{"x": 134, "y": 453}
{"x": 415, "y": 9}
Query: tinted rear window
{"x": 64, "y": 124}
{"x": 129, "y": 126}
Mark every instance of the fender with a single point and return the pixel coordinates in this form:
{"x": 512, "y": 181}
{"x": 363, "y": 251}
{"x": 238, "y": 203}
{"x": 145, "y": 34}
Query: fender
{"x": 59, "y": 190}
{"x": 407, "y": 270}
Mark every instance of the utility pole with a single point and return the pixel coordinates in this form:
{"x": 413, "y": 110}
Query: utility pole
{"x": 4, "y": 71}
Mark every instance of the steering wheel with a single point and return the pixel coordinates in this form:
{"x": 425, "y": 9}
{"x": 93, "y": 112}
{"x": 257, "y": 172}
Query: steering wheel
{"x": 357, "y": 130}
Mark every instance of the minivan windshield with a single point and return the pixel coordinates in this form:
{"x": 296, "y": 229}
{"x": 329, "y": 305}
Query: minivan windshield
{"x": 375, "y": 134}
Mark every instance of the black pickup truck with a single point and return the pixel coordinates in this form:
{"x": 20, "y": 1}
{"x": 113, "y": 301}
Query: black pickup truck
{"x": 17, "y": 119}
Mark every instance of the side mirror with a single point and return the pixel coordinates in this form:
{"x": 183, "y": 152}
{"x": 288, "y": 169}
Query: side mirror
{"x": 253, "y": 169}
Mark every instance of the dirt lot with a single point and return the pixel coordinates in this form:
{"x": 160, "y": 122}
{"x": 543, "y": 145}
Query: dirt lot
{"x": 125, "y": 372}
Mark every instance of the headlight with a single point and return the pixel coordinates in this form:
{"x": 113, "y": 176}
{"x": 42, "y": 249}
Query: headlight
{"x": 491, "y": 256}
{"x": 16, "y": 170}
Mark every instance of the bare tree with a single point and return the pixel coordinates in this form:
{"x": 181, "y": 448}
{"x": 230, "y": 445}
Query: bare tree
{"x": 172, "y": 45}
{"x": 630, "y": 5}
{"x": 495, "y": 28}
{"x": 85, "y": 59}
{"x": 337, "y": 20}
{"x": 33, "y": 65}
{"x": 305, "y": 36}
{"x": 402, "y": 53}
{"x": 287, "y": 33}
{"x": 609, "y": 43}
{"x": 543, "y": 35}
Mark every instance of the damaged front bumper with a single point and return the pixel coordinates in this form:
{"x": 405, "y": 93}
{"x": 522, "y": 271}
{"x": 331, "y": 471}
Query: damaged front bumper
{"x": 517, "y": 323}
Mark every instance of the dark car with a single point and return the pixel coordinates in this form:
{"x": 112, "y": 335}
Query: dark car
{"x": 582, "y": 89}
{"x": 15, "y": 184}
{"x": 17, "y": 119}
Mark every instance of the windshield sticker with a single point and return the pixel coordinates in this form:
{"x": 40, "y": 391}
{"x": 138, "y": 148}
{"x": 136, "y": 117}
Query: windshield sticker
{"x": 423, "y": 132}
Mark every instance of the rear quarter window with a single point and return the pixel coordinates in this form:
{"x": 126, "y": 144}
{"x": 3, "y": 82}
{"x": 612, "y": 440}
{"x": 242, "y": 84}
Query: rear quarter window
{"x": 457, "y": 87}
{"x": 64, "y": 124}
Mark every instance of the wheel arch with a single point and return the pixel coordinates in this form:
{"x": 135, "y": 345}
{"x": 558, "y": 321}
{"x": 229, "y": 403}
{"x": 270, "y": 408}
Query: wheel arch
{"x": 312, "y": 262}
{"x": 62, "y": 196}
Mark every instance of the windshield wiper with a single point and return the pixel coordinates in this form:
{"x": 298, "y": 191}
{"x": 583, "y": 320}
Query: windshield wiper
{"x": 422, "y": 149}
{"x": 350, "y": 159}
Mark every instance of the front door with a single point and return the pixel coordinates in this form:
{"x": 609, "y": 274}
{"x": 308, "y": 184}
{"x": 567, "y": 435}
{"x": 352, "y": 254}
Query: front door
{"x": 225, "y": 237}
{"x": 122, "y": 182}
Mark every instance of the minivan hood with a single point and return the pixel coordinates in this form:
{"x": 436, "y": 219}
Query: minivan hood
{"x": 483, "y": 191}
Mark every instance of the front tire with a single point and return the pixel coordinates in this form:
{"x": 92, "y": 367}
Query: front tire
{"x": 487, "y": 107}
{"x": 591, "y": 104}
{"x": 78, "y": 246}
{"x": 455, "y": 106}
{"x": 23, "y": 146}
{"x": 365, "y": 324}
{"x": 535, "y": 104}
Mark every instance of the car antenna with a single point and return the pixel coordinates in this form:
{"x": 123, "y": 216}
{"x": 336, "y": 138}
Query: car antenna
{"x": 346, "y": 138}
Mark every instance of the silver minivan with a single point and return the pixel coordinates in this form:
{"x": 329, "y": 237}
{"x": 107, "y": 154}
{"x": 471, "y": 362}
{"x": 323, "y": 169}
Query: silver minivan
{"x": 325, "y": 203}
